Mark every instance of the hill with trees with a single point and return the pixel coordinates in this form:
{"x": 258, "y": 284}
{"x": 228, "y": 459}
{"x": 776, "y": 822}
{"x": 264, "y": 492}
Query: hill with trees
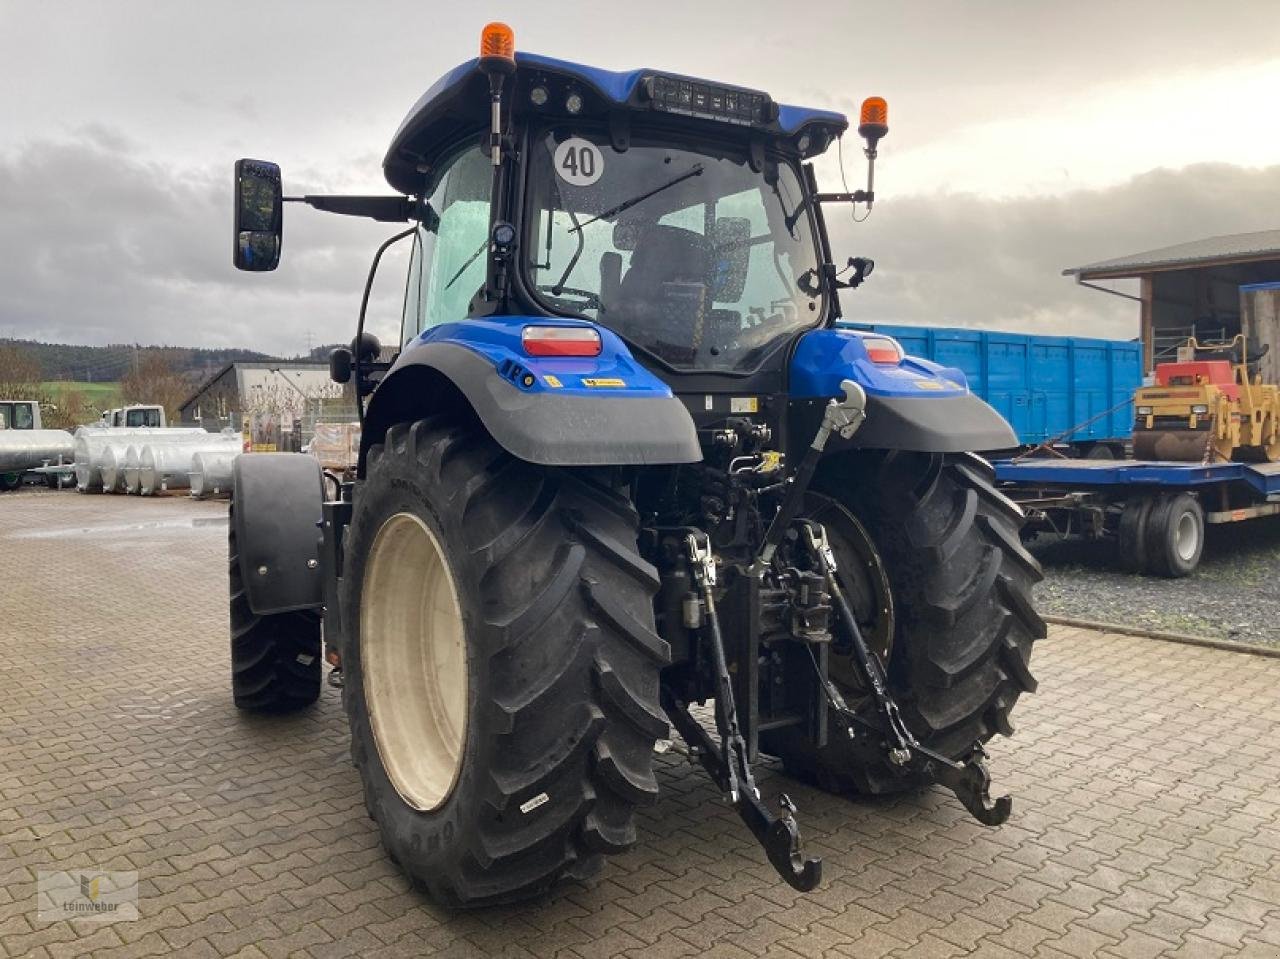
{"x": 109, "y": 364}
{"x": 72, "y": 383}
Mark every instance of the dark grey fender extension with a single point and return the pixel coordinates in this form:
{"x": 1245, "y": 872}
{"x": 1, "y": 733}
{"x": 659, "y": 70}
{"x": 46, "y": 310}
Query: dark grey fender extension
{"x": 956, "y": 424}
{"x": 557, "y": 429}
{"x": 277, "y": 517}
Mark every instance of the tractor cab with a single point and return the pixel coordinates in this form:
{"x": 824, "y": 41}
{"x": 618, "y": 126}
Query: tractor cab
{"x": 674, "y": 212}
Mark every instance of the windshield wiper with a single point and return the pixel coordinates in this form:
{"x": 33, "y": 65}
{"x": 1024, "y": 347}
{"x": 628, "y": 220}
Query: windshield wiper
{"x": 471, "y": 259}
{"x": 635, "y": 200}
{"x": 577, "y": 254}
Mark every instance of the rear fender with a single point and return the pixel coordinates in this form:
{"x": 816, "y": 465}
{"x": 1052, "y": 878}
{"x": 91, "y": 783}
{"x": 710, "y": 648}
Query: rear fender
{"x": 554, "y": 411}
{"x": 277, "y": 516}
{"x": 915, "y": 405}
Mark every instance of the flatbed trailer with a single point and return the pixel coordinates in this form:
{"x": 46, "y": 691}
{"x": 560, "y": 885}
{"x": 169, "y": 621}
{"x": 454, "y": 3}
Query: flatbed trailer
{"x": 1155, "y": 512}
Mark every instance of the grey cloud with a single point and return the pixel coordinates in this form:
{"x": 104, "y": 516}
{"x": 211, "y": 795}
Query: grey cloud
{"x": 104, "y": 246}
{"x": 964, "y": 260}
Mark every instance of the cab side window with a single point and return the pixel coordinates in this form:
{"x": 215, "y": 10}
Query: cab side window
{"x": 447, "y": 266}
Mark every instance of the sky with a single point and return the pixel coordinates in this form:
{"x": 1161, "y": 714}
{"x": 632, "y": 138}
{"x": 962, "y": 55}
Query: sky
{"x": 1025, "y": 137}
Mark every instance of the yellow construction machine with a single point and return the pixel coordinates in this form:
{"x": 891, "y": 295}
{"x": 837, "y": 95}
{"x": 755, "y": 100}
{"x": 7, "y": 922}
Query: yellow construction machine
{"x": 1209, "y": 406}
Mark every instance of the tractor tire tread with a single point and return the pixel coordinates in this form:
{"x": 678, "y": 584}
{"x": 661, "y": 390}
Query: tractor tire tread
{"x": 276, "y": 660}
{"x": 561, "y": 617}
{"x": 965, "y": 621}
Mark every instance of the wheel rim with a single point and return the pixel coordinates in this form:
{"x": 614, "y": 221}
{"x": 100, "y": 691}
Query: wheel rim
{"x": 1186, "y": 537}
{"x": 863, "y": 579}
{"x": 414, "y": 659}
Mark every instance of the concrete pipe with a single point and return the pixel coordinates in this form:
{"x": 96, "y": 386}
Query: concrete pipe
{"x": 167, "y": 466}
{"x": 25, "y": 449}
{"x": 211, "y": 473}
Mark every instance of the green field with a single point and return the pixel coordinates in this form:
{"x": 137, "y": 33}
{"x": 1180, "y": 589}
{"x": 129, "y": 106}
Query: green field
{"x": 98, "y": 395}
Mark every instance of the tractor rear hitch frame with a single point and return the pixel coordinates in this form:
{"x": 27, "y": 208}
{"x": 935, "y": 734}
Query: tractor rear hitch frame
{"x": 777, "y": 834}
{"x": 729, "y": 764}
{"x": 968, "y": 779}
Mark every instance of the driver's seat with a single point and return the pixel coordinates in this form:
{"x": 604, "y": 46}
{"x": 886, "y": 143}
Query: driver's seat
{"x": 664, "y": 298}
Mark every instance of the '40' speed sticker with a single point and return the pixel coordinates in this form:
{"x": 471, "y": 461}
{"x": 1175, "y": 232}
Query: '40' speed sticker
{"x": 578, "y": 162}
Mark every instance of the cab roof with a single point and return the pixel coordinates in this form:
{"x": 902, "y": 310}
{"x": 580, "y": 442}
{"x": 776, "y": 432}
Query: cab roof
{"x": 457, "y": 105}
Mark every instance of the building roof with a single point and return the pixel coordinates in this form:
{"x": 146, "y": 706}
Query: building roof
{"x": 252, "y": 365}
{"x": 1211, "y": 251}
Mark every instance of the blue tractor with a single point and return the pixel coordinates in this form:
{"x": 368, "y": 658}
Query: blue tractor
{"x": 620, "y": 466}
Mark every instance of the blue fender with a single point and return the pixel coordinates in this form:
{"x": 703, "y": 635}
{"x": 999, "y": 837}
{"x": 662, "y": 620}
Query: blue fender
{"x": 915, "y": 404}
{"x": 604, "y": 410}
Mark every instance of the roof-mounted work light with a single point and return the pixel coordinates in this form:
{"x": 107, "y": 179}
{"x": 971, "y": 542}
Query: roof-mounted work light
{"x": 497, "y": 48}
{"x": 873, "y": 124}
{"x": 873, "y": 121}
{"x": 497, "y": 62}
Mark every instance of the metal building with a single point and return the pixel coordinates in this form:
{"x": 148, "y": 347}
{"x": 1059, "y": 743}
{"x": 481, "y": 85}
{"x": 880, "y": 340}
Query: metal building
{"x": 276, "y": 404}
{"x": 1196, "y": 289}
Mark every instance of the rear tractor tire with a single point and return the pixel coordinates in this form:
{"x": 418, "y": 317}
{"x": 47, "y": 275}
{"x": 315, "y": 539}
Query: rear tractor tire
{"x": 501, "y": 664}
{"x": 276, "y": 659}
{"x": 929, "y": 553}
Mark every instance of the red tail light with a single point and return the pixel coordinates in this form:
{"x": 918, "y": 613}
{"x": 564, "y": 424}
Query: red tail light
{"x": 883, "y": 350}
{"x": 560, "y": 341}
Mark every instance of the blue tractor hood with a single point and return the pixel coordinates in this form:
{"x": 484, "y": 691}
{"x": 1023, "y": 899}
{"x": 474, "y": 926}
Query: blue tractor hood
{"x": 456, "y": 105}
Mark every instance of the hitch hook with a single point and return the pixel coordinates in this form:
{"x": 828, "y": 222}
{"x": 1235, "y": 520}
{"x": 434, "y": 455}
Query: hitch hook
{"x": 782, "y": 846}
{"x": 778, "y": 835}
{"x": 971, "y": 783}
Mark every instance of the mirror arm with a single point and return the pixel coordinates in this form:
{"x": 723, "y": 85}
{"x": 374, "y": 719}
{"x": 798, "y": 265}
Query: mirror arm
{"x": 857, "y": 196}
{"x": 384, "y": 209}
{"x": 364, "y": 307}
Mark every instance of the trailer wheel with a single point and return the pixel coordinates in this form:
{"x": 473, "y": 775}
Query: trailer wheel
{"x": 10, "y": 481}
{"x": 501, "y": 664}
{"x": 275, "y": 660}
{"x": 1175, "y": 535}
{"x": 1100, "y": 451}
{"x": 1131, "y": 535}
{"x": 959, "y": 597}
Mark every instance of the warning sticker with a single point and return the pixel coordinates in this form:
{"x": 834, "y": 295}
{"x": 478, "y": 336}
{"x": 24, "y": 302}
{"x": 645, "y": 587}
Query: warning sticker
{"x": 607, "y": 382}
{"x": 553, "y": 382}
{"x": 744, "y": 404}
{"x": 929, "y": 385}
{"x": 578, "y": 162}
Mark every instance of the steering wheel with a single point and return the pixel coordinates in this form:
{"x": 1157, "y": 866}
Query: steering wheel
{"x": 591, "y": 298}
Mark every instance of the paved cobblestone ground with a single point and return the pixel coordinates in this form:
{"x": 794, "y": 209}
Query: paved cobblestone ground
{"x": 1146, "y": 782}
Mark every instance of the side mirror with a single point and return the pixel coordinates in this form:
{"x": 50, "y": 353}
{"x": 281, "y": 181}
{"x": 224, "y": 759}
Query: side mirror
{"x": 340, "y": 365}
{"x": 367, "y": 346}
{"x": 258, "y": 220}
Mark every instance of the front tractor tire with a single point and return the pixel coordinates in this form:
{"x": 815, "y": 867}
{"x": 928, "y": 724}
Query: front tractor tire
{"x": 501, "y": 664}
{"x": 275, "y": 659}
{"x": 929, "y": 553}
